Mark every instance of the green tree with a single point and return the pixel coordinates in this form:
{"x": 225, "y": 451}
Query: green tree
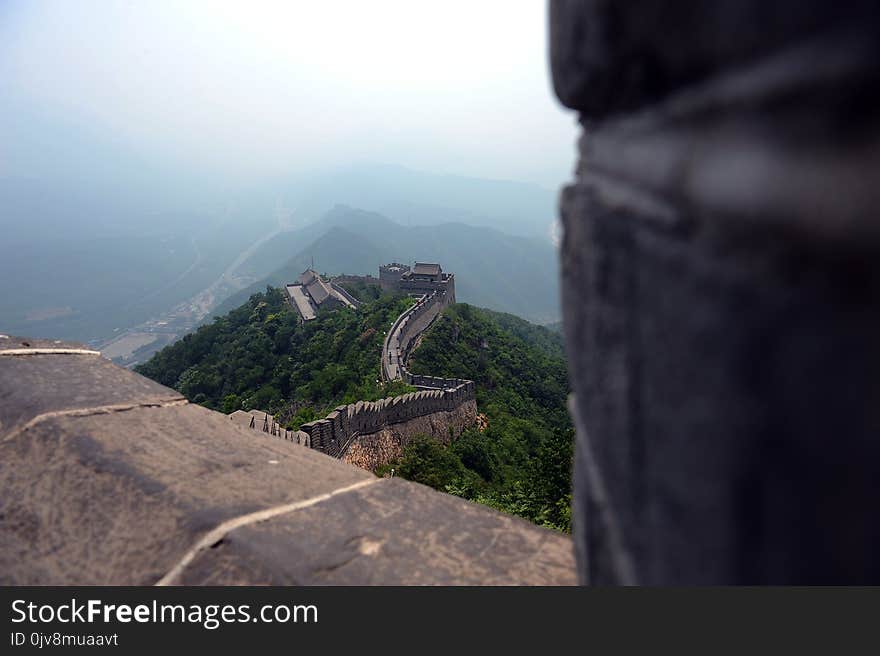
{"x": 521, "y": 463}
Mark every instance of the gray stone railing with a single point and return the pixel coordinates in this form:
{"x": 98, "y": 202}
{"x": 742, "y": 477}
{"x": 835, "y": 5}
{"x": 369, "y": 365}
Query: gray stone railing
{"x": 348, "y": 297}
{"x": 404, "y": 332}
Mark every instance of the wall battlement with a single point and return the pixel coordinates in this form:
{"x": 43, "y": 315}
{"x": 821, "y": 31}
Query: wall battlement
{"x": 402, "y": 338}
{"x": 336, "y": 432}
{"x": 455, "y": 398}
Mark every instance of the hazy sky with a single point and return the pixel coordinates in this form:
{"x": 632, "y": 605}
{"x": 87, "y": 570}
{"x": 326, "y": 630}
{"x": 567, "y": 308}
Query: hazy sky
{"x": 241, "y": 91}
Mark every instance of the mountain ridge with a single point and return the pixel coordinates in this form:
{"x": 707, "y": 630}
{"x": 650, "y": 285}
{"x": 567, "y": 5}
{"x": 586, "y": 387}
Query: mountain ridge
{"x": 495, "y": 270}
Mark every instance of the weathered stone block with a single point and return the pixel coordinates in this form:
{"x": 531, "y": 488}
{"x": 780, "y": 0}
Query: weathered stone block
{"x": 119, "y": 498}
{"x": 721, "y": 290}
{"x": 610, "y": 56}
{"x": 390, "y": 533}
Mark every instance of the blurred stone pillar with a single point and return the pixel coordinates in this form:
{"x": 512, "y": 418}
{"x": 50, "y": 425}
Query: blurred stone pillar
{"x": 721, "y": 288}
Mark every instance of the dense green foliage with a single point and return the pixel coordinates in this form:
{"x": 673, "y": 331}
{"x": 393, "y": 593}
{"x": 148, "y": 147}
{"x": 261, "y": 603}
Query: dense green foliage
{"x": 521, "y": 463}
{"x": 261, "y": 356}
{"x": 363, "y": 291}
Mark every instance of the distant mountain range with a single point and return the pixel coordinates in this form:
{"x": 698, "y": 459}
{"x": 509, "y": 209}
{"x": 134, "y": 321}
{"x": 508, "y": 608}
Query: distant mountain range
{"x": 493, "y": 269}
{"x": 94, "y": 257}
{"x": 416, "y": 198}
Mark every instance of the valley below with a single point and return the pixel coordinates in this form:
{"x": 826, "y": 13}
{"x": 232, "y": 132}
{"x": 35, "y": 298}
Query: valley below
{"x": 138, "y": 343}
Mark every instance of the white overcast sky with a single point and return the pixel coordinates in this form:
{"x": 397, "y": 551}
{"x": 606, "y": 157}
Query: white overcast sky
{"x": 250, "y": 89}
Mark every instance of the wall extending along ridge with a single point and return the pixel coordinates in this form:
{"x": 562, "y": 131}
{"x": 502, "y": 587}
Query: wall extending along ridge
{"x": 386, "y": 445}
{"x": 453, "y": 397}
{"x": 448, "y": 403}
{"x": 402, "y": 338}
{"x": 339, "y": 289}
{"x": 384, "y": 284}
{"x": 442, "y": 408}
{"x": 334, "y": 434}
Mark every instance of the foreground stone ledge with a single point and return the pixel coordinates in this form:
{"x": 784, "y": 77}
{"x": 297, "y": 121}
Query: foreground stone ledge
{"x": 33, "y": 385}
{"x": 13, "y": 342}
{"x": 391, "y": 533}
{"x": 108, "y": 478}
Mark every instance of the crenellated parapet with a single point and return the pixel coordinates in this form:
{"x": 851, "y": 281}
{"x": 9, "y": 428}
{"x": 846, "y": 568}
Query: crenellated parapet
{"x": 336, "y": 431}
{"x": 262, "y": 421}
{"x": 405, "y": 331}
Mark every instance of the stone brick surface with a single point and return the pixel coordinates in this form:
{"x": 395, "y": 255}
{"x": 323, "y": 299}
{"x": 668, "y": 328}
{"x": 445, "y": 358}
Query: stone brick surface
{"x": 390, "y": 533}
{"x": 721, "y": 289}
{"x": 386, "y": 445}
{"x": 68, "y": 382}
{"x": 729, "y": 397}
{"x": 118, "y": 498}
{"x": 105, "y": 478}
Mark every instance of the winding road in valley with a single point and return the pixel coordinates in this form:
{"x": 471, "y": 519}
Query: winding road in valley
{"x": 151, "y": 335}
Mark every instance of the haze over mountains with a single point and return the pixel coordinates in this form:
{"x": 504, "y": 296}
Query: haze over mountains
{"x": 156, "y": 160}
{"x": 493, "y": 269}
{"x": 91, "y": 266}
{"x": 417, "y": 198}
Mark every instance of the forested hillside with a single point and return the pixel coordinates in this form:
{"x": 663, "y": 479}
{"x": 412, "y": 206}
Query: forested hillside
{"x": 260, "y": 356}
{"x": 521, "y": 463}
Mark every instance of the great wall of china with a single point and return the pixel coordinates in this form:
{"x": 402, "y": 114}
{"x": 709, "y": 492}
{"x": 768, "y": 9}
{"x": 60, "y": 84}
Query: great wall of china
{"x": 371, "y": 433}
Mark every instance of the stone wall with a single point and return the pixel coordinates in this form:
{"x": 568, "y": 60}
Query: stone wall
{"x": 112, "y": 479}
{"x": 262, "y": 421}
{"x": 405, "y": 331}
{"x": 335, "y": 433}
{"x": 367, "y": 280}
{"x": 390, "y": 273}
{"x": 721, "y": 288}
{"x": 371, "y": 450}
{"x": 441, "y": 404}
{"x": 341, "y": 291}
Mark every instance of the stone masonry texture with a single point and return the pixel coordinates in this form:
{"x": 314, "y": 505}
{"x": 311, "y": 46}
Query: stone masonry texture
{"x": 387, "y": 424}
{"x": 372, "y": 450}
{"x": 721, "y": 289}
{"x": 108, "y": 478}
